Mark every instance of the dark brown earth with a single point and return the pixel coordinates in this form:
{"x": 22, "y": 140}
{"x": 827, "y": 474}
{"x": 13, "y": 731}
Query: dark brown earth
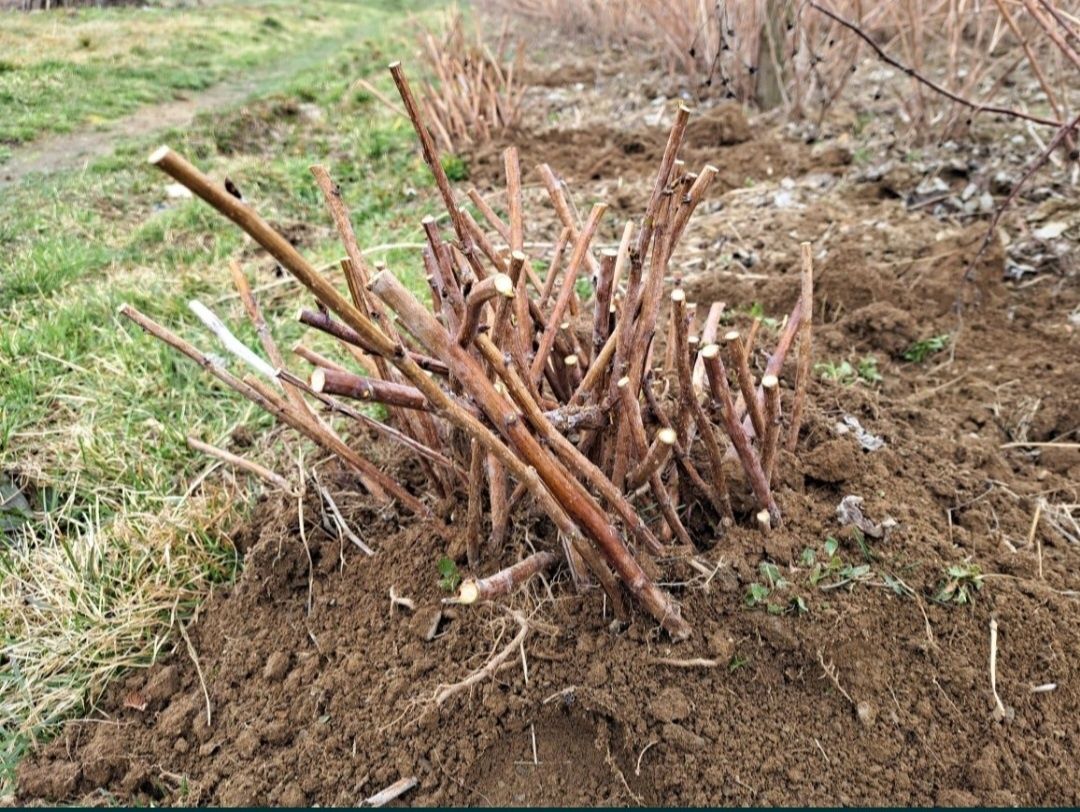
{"x": 878, "y": 693}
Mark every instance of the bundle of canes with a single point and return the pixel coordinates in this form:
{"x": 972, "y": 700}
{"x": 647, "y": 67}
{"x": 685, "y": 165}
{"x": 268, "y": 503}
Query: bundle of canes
{"x": 518, "y": 395}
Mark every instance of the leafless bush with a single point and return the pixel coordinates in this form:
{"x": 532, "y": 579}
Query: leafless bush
{"x": 799, "y": 54}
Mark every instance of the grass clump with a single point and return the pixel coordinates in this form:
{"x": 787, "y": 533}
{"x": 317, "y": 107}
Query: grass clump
{"x": 118, "y": 547}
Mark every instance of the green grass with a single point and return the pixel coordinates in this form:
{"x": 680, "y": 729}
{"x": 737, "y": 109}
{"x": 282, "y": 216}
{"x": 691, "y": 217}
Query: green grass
{"x": 89, "y": 66}
{"x": 93, "y": 413}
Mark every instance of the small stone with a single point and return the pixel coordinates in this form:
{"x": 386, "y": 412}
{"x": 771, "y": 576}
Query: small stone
{"x": 867, "y": 713}
{"x": 277, "y": 666}
{"x": 1002, "y": 183}
{"x": 181, "y": 745}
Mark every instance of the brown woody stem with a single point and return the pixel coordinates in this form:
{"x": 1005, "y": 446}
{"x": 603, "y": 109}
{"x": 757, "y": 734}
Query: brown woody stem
{"x": 482, "y": 292}
{"x": 737, "y": 360}
{"x": 356, "y": 387}
{"x": 802, "y": 378}
{"x": 771, "y": 386}
{"x": 721, "y": 392}
{"x": 504, "y": 581}
{"x": 655, "y": 459}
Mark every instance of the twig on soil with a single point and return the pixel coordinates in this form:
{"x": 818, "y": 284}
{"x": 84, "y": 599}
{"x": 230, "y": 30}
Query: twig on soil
{"x": 824, "y": 755}
{"x": 1066, "y": 446}
{"x": 303, "y": 532}
{"x": 392, "y": 792}
{"x": 198, "y": 669}
{"x": 833, "y": 675}
{"x": 999, "y": 707}
{"x": 260, "y": 471}
{"x": 339, "y": 520}
{"x": 610, "y": 761}
{"x": 641, "y": 755}
{"x": 698, "y": 662}
{"x": 568, "y": 691}
{"x": 491, "y": 666}
{"x": 398, "y": 600}
{"x": 1033, "y": 538}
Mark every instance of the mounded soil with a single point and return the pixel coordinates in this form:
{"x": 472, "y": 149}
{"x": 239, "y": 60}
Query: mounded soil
{"x": 321, "y": 691}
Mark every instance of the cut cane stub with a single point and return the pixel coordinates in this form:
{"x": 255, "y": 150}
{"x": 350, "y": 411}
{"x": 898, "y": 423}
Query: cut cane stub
{"x": 468, "y": 592}
{"x": 667, "y": 436}
{"x": 770, "y": 381}
{"x": 504, "y": 285}
{"x": 157, "y": 155}
{"x": 764, "y": 521}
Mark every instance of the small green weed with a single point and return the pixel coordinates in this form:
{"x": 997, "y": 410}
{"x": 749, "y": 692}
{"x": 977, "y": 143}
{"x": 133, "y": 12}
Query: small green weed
{"x": 758, "y": 593}
{"x": 757, "y": 311}
{"x": 865, "y": 370}
{"x": 959, "y": 584}
{"x": 449, "y": 576}
{"x": 921, "y": 350}
{"x": 868, "y": 371}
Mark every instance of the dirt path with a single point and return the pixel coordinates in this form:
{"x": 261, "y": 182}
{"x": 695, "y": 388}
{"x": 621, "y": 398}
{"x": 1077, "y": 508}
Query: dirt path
{"x": 76, "y": 150}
